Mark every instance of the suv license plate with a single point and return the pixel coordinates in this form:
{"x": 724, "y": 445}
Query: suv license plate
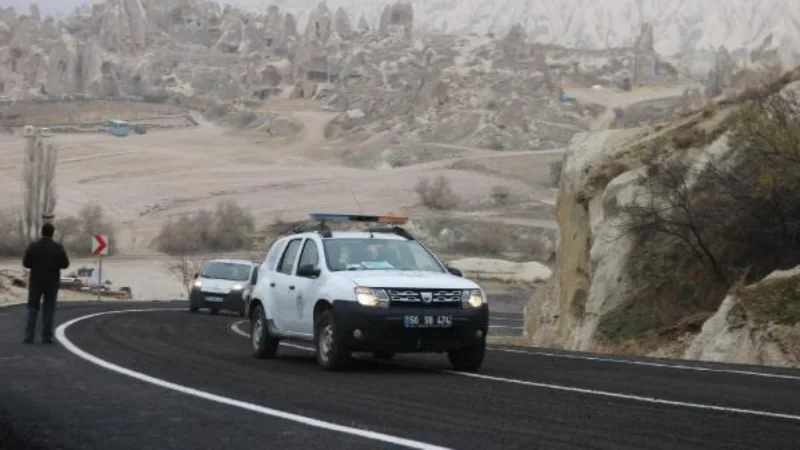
{"x": 428, "y": 321}
{"x": 210, "y": 298}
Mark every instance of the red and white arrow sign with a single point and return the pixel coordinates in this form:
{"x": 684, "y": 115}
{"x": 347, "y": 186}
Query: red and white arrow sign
{"x": 99, "y": 245}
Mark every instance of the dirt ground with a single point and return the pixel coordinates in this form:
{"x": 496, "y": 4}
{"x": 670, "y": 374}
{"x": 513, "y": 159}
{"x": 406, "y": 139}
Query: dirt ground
{"x": 142, "y": 180}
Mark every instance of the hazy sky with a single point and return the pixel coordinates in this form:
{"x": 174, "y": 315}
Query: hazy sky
{"x": 61, "y": 6}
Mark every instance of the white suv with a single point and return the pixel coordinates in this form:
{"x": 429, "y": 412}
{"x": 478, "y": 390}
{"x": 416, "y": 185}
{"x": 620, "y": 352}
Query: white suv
{"x": 372, "y": 290}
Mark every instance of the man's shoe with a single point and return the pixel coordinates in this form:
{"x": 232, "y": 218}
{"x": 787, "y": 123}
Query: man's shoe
{"x": 47, "y": 341}
{"x": 27, "y": 341}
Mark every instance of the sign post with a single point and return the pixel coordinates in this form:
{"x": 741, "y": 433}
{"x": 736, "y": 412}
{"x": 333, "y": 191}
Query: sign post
{"x": 99, "y": 249}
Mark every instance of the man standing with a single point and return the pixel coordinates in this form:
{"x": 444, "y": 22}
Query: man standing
{"x": 45, "y": 258}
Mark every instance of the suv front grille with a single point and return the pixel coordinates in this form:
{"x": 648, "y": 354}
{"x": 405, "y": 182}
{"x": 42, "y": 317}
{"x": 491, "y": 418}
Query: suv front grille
{"x": 426, "y": 298}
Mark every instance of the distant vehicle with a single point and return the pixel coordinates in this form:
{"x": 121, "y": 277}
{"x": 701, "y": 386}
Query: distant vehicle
{"x": 375, "y": 290}
{"x": 223, "y": 284}
{"x": 118, "y": 128}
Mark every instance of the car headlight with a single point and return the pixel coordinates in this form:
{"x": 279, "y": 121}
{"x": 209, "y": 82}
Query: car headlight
{"x": 237, "y": 287}
{"x": 472, "y": 298}
{"x": 366, "y": 296}
{"x": 198, "y": 284}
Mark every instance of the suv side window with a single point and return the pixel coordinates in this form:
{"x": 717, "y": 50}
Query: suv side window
{"x": 287, "y": 261}
{"x": 310, "y": 254}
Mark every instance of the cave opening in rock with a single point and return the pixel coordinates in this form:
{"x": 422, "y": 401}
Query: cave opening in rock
{"x": 16, "y": 54}
{"x": 269, "y": 42}
{"x": 109, "y": 80}
{"x": 136, "y": 84}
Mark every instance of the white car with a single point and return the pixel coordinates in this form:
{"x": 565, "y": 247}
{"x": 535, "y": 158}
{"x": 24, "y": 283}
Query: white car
{"x": 374, "y": 290}
{"x": 223, "y": 284}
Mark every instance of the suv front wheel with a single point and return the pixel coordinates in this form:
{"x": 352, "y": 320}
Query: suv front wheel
{"x": 263, "y": 345}
{"x": 467, "y": 359}
{"x": 331, "y": 352}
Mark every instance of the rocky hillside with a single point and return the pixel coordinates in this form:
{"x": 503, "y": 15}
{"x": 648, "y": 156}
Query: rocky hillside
{"x": 659, "y": 224}
{"x": 687, "y": 29}
{"x": 485, "y": 91}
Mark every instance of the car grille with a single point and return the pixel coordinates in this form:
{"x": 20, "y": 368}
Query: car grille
{"x": 425, "y": 298}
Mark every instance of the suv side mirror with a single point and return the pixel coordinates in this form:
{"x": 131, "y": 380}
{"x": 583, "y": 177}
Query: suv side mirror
{"x": 455, "y": 271}
{"x": 308, "y": 271}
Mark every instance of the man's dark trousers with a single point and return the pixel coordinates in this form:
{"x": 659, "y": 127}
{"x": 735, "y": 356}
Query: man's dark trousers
{"x": 48, "y": 307}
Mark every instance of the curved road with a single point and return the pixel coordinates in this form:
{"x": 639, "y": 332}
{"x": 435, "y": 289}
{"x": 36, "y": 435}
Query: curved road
{"x": 163, "y": 378}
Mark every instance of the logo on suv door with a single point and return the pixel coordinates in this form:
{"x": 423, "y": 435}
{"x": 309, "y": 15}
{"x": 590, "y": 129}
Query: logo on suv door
{"x": 427, "y": 297}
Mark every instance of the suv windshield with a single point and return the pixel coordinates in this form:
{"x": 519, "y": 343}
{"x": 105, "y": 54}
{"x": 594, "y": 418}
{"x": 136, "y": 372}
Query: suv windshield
{"x": 378, "y": 254}
{"x": 226, "y": 271}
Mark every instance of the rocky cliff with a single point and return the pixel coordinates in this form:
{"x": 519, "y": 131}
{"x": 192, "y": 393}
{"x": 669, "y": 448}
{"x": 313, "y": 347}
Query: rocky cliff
{"x": 658, "y": 225}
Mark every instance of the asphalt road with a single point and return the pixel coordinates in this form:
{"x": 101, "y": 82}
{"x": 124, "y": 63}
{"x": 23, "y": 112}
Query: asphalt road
{"x": 161, "y": 379}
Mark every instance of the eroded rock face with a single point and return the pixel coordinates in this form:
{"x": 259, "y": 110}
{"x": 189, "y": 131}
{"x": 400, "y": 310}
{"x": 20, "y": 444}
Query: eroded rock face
{"x": 398, "y": 17}
{"x": 602, "y": 173}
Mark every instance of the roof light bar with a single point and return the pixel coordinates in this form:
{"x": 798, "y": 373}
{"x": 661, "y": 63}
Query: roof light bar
{"x": 394, "y": 220}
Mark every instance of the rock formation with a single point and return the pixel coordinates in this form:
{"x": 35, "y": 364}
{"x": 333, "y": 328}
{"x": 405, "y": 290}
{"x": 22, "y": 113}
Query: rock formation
{"x": 605, "y": 290}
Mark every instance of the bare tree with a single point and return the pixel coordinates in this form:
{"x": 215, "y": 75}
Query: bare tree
{"x": 670, "y": 209}
{"x": 38, "y": 178}
{"x": 740, "y": 211}
{"x": 184, "y": 267}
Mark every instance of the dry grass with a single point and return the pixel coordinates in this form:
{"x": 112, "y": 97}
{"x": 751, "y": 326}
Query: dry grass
{"x": 228, "y": 228}
{"x": 489, "y": 239}
{"x": 773, "y": 301}
{"x": 674, "y": 285}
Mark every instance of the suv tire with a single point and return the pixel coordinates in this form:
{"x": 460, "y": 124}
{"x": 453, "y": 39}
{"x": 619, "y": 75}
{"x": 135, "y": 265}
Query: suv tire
{"x": 467, "y": 359}
{"x": 331, "y": 353}
{"x": 264, "y": 346}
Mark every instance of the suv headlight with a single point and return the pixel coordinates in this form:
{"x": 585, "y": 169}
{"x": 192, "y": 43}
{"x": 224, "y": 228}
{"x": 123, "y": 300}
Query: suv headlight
{"x": 472, "y": 298}
{"x": 366, "y": 296}
{"x": 197, "y": 284}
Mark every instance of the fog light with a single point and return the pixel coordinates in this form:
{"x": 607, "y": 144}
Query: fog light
{"x": 479, "y": 334}
{"x": 357, "y": 334}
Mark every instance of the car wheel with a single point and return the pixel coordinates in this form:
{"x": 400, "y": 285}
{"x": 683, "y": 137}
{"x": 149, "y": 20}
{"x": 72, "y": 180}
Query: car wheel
{"x": 214, "y": 311}
{"x": 331, "y": 353}
{"x": 193, "y": 309}
{"x": 467, "y": 359}
{"x": 263, "y": 345}
{"x": 383, "y": 355}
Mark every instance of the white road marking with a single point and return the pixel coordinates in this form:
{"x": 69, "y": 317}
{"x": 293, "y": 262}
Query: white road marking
{"x": 505, "y": 326}
{"x": 557, "y": 387}
{"x": 61, "y": 336}
{"x": 649, "y": 364}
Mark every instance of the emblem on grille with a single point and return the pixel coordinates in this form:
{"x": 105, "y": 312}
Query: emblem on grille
{"x": 427, "y": 297}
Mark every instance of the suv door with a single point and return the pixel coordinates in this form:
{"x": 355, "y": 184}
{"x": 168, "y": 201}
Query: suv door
{"x": 283, "y": 287}
{"x": 306, "y": 288}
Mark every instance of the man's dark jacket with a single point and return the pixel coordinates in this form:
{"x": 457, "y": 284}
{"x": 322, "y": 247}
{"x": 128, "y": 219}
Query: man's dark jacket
{"x": 45, "y": 258}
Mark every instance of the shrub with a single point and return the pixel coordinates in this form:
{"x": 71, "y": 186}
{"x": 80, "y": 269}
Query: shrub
{"x": 500, "y": 194}
{"x": 228, "y": 228}
{"x": 436, "y": 194}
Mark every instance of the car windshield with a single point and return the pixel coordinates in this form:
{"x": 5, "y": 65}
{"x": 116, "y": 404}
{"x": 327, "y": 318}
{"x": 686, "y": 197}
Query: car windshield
{"x": 378, "y": 254}
{"x": 226, "y": 271}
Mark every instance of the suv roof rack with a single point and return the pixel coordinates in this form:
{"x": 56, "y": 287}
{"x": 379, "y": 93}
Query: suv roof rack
{"x": 326, "y": 232}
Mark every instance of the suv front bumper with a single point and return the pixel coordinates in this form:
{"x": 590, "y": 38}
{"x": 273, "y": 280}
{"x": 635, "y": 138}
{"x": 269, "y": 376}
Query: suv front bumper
{"x": 369, "y": 329}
